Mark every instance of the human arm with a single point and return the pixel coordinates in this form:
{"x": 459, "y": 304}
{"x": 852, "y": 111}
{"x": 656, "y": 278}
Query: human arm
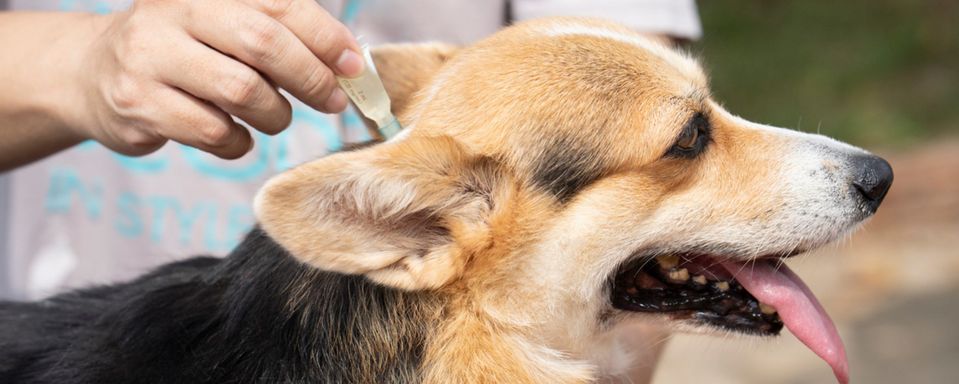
{"x": 165, "y": 70}
{"x": 37, "y": 53}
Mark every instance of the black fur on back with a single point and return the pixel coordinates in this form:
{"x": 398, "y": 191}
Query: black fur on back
{"x": 258, "y": 316}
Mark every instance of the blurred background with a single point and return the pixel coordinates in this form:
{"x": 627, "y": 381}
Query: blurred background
{"x": 884, "y": 75}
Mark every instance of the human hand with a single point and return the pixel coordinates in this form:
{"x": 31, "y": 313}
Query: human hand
{"x": 177, "y": 69}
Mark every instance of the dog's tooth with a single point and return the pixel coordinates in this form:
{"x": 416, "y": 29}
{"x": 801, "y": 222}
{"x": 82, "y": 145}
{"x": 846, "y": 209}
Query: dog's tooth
{"x": 699, "y": 279}
{"x": 722, "y": 286}
{"x": 668, "y": 261}
{"x": 678, "y": 275}
{"x": 766, "y": 309}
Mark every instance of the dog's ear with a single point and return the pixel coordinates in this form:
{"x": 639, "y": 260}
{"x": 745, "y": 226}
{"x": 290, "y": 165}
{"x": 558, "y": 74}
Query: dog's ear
{"x": 407, "y": 68}
{"x": 407, "y": 214}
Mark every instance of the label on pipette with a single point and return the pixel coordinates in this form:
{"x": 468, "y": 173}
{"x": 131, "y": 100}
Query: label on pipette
{"x": 369, "y": 95}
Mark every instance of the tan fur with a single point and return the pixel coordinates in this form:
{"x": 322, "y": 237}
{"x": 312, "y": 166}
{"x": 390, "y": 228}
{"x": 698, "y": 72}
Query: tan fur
{"x": 416, "y": 62}
{"x": 454, "y": 206}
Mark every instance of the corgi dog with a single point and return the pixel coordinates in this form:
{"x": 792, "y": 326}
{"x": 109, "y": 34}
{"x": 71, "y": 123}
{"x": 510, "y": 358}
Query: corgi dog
{"x": 566, "y": 193}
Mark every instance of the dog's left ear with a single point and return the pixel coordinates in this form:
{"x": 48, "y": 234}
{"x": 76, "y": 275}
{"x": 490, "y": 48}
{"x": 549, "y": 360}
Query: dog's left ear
{"x": 407, "y": 214}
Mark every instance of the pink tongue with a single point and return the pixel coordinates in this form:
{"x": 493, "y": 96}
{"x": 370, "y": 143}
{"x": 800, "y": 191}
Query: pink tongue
{"x": 798, "y": 308}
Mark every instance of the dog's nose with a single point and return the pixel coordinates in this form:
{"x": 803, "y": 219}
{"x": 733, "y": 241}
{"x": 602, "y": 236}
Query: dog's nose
{"x": 872, "y": 177}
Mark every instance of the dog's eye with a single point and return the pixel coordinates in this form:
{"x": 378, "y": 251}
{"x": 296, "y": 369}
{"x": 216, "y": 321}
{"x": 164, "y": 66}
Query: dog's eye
{"x": 688, "y": 139}
{"x": 693, "y": 139}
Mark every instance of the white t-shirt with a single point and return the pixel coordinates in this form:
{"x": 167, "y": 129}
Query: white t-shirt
{"x": 88, "y": 216}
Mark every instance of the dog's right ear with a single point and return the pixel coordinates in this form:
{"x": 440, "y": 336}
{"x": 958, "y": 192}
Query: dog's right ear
{"x": 407, "y": 68}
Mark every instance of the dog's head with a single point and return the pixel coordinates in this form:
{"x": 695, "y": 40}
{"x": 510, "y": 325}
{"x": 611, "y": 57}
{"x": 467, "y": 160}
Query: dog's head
{"x": 569, "y": 176}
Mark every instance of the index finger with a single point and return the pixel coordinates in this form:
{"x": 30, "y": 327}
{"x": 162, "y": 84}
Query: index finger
{"x": 322, "y": 33}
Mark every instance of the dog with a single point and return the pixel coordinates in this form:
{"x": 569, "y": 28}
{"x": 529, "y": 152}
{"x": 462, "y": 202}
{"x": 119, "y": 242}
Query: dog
{"x": 566, "y": 193}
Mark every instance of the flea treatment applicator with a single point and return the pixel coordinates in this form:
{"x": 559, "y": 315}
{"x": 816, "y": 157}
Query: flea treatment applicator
{"x": 367, "y": 92}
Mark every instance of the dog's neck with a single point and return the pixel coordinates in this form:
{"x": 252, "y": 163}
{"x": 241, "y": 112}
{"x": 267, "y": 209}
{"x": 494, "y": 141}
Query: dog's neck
{"x": 325, "y": 327}
{"x": 347, "y": 329}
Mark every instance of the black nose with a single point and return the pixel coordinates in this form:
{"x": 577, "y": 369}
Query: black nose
{"x": 872, "y": 177}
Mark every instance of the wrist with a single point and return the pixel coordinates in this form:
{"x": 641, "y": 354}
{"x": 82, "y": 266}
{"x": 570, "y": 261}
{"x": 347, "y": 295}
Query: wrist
{"x": 60, "y": 78}
{"x": 40, "y": 99}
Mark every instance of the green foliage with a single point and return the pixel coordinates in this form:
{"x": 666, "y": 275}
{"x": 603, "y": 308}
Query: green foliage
{"x": 872, "y": 72}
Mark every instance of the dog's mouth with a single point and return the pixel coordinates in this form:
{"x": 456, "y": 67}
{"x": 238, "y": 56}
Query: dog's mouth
{"x": 757, "y": 297}
{"x": 696, "y": 288}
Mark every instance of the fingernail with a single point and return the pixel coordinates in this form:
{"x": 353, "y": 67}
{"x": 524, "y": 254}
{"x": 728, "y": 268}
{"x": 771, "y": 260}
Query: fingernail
{"x": 350, "y": 63}
{"x": 336, "y": 102}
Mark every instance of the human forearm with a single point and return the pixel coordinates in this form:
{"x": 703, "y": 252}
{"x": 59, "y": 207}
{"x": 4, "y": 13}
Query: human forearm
{"x": 167, "y": 70}
{"x": 40, "y": 65}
